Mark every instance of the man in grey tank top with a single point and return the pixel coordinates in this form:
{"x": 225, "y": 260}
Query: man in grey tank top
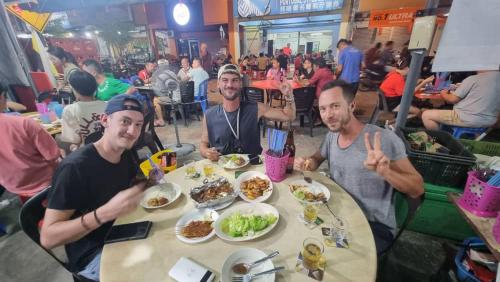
{"x": 369, "y": 172}
{"x": 232, "y": 127}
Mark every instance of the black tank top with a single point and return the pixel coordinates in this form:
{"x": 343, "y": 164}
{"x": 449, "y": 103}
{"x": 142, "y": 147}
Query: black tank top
{"x": 221, "y": 137}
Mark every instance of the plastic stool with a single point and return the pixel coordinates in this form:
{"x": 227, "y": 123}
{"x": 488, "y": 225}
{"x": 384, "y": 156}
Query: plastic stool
{"x": 458, "y": 131}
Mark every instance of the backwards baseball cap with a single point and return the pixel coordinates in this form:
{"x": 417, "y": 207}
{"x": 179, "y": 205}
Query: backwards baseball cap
{"x": 117, "y": 104}
{"x": 229, "y": 68}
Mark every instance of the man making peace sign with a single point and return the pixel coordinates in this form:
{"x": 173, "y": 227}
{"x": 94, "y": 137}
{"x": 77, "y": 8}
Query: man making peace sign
{"x": 368, "y": 171}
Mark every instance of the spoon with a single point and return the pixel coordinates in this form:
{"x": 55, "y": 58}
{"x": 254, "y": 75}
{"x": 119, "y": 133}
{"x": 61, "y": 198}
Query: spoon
{"x": 244, "y": 268}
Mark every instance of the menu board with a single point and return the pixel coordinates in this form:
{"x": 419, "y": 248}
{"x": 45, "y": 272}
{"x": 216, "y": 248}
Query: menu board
{"x": 257, "y": 8}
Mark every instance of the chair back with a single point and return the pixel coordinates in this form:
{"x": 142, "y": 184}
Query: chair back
{"x": 187, "y": 91}
{"x": 376, "y": 112}
{"x": 31, "y": 213}
{"x": 304, "y": 99}
{"x": 253, "y": 94}
{"x": 25, "y": 95}
{"x": 410, "y": 208}
{"x": 41, "y": 81}
{"x": 382, "y": 101}
{"x": 203, "y": 89}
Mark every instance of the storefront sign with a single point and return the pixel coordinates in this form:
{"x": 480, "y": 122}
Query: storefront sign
{"x": 36, "y": 20}
{"x": 394, "y": 17}
{"x": 257, "y": 8}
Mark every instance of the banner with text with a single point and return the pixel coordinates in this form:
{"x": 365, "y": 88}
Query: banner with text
{"x": 394, "y": 17}
{"x": 36, "y": 20}
{"x": 257, "y": 8}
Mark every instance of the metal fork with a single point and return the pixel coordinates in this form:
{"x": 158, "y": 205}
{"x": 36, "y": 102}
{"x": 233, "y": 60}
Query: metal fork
{"x": 249, "y": 277}
{"x": 340, "y": 222}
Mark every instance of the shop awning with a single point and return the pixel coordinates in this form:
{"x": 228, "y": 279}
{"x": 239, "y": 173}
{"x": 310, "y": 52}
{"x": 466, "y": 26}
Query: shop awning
{"x": 67, "y": 5}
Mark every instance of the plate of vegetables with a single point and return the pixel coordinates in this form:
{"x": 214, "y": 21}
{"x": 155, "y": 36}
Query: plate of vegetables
{"x": 233, "y": 161}
{"x": 246, "y": 221}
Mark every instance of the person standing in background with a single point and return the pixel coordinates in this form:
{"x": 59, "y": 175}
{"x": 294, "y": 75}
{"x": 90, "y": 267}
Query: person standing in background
{"x": 287, "y": 51}
{"x": 205, "y": 57}
{"x": 350, "y": 63}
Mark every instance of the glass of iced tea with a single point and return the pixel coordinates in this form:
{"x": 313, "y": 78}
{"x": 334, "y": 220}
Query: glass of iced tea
{"x": 310, "y": 212}
{"x": 209, "y": 170}
{"x": 312, "y": 252}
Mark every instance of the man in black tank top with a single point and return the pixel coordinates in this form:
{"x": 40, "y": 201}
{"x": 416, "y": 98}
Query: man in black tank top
{"x": 232, "y": 127}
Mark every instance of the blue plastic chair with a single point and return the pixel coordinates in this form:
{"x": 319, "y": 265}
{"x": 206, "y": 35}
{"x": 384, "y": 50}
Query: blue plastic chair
{"x": 458, "y": 131}
{"x": 202, "y": 95}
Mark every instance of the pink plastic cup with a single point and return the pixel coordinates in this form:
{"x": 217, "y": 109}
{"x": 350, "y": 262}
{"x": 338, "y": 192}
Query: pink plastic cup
{"x": 276, "y": 166}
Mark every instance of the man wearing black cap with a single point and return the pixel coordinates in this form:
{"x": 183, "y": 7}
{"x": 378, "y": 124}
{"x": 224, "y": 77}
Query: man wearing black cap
{"x": 92, "y": 187}
{"x": 232, "y": 127}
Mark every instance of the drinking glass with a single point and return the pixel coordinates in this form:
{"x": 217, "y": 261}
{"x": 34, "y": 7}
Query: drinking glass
{"x": 310, "y": 212}
{"x": 191, "y": 171}
{"x": 209, "y": 170}
{"x": 312, "y": 251}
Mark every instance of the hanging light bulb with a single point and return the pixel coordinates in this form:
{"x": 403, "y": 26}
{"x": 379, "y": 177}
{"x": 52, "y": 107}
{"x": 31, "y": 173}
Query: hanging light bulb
{"x": 181, "y": 13}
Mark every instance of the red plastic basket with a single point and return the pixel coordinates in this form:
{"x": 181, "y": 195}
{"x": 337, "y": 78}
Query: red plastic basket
{"x": 480, "y": 198}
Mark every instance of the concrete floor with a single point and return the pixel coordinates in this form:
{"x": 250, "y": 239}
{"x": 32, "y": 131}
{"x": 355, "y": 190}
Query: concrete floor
{"x": 415, "y": 257}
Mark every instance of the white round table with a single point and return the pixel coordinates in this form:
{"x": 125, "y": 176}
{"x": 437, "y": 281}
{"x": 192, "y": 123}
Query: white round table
{"x": 151, "y": 259}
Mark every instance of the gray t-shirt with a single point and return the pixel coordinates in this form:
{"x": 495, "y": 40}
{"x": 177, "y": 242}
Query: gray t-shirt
{"x": 372, "y": 193}
{"x": 480, "y": 104}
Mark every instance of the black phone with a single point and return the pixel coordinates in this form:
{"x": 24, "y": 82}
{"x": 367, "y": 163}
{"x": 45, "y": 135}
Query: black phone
{"x": 129, "y": 231}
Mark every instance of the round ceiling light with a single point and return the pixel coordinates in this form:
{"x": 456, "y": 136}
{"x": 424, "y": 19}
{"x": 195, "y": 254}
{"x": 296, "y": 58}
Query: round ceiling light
{"x": 181, "y": 14}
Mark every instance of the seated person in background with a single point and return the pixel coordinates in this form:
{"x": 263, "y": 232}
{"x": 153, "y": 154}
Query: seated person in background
{"x": 322, "y": 75}
{"x": 183, "y": 73}
{"x": 244, "y": 65}
{"x": 369, "y": 172}
{"x": 297, "y": 62}
{"x": 29, "y": 154}
{"x": 198, "y": 75}
{"x": 233, "y": 126}
{"x": 306, "y": 71}
{"x": 15, "y": 107}
{"x": 262, "y": 62}
{"x": 476, "y": 103}
{"x": 107, "y": 87}
{"x": 274, "y": 73}
{"x": 394, "y": 85}
{"x": 92, "y": 187}
{"x": 82, "y": 118}
{"x": 145, "y": 74}
{"x": 372, "y": 55}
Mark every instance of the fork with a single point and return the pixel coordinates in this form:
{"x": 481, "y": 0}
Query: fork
{"x": 341, "y": 223}
{"x": 249, "y": 277}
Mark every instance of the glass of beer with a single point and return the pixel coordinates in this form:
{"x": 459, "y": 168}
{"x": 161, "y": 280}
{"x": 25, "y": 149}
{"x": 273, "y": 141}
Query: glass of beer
{"x": 209, "y": 170}
{"x": 312, "y": 252}
{"x": 310, "y": 212}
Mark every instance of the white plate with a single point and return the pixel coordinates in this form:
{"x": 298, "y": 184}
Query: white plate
{"x": 252, "y": 174}
{"x": 247, "y": 255}
{"x": 169, "y": 190}
{"x": 230, "y": 164}
{"x": 202, "y": 214}
{"x": 314, "y": 187}
{"x": 247, "y": 209}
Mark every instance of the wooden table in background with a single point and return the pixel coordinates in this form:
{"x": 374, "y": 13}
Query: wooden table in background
{"x": 52, "y": 129}
{"x": 483, "y": 226}
{"x": 150, "y": 259}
